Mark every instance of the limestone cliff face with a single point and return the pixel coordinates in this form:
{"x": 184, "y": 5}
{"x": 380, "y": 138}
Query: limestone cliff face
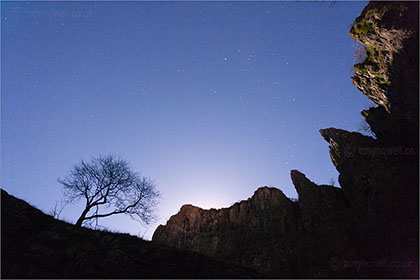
{"x": 389, "y": 75}
{"x": 268, "y": 232}
{"x": 380, "y": 176}
{"x": 235, "y": 233}
{"x": 368, "y": 227}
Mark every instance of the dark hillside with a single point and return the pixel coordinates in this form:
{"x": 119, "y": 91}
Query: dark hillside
{"x": 35, "y": 245}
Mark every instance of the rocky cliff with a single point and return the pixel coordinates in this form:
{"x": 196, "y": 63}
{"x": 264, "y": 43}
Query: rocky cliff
{"x": 369, "y": 226}
{"x": 251, "y": 227}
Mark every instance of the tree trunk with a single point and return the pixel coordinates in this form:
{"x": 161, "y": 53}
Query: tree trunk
{"x": 82, "y": 217}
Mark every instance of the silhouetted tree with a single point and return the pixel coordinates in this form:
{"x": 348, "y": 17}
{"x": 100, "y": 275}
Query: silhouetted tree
{"x": 110, "y": 187}
{"x": 56, "y": 211}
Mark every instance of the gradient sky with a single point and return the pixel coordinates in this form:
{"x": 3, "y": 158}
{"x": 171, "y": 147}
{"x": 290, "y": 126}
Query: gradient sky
{"x": 210, "y": 99}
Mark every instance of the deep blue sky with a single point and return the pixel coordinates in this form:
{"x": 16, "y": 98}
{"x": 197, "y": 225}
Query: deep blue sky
{"x": 210, "y": 99}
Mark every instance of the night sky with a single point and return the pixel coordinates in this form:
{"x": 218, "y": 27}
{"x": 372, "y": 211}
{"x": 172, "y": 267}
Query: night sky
{"x": 212, "y": 100}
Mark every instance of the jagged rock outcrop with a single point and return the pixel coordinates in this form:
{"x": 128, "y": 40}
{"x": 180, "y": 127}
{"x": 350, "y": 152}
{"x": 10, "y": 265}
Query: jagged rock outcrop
{"x": 35, "y": 245}
{"x": 268, "y": 232}
{"x": 367, "y": 228}
{"x": 380, "y": 176}
{"x": 310, "y": 195}
{"x": 246, "y": 226}
{"x": 389, "y": 75}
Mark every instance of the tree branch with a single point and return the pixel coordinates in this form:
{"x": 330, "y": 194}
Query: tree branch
{"x": 115, "y": 212}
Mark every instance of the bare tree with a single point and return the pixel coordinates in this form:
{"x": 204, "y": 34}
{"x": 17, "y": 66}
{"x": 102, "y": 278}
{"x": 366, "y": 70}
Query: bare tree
{"x": 56, "y": 211}
{"x": 109, "y": 187}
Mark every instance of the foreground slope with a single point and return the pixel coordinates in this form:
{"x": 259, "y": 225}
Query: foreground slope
{"x": 369, "y": 227}
{"x": 35, "y": 245}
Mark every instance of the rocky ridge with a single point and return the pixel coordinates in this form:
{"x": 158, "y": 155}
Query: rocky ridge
{"x": 247, "y": 226}
{"x": 369, "y": 226}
